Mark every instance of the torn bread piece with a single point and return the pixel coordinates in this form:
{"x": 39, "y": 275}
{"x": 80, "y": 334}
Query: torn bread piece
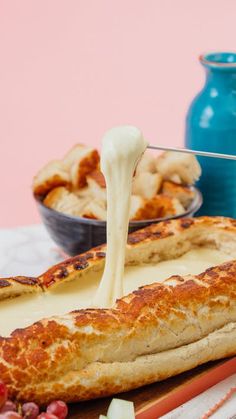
{"x": 83, "y": 193}
{"x": 95, "y": 209}
{"x": 186, "y": 166}
{"x": 146, "y": 184}
{"x": 159, "y": 206}
{"x": 80, "y": 161}
{"x": 50, "y": 176}
{"x": 97, "y": 185}
{"x": 136, "y": 203}
{"x": 183, "y": 193}
{"x": 62, "y": 200}
{"x": 147, "y": 163}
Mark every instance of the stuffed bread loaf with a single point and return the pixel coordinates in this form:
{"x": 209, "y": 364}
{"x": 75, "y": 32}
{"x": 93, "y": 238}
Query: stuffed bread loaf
{"x": 153, "y": 333}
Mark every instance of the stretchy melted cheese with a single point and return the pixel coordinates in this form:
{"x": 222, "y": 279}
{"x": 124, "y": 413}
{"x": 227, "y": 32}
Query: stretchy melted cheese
{"x": 122, "y": 148}
{"x": 22, "y": 311}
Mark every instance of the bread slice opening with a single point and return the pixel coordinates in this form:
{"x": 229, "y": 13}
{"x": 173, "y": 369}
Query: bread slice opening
{"x": 24, "y": 310}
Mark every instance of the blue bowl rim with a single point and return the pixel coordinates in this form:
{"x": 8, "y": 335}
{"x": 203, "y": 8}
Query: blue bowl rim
{"x": 194, "y": 207}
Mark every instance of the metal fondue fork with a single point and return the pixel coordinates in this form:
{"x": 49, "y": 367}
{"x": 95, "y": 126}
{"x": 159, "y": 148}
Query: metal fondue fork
{"x": 196, "y": 152}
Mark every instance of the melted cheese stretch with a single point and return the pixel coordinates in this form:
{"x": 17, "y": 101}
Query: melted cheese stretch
{"x": 122, "y": 148}
{"x": 22, "y": 311}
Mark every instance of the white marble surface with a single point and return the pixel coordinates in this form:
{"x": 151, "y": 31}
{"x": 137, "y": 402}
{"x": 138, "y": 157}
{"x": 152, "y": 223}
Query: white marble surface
{"x": 26, "y": 251}
{"x": 30, "y": 251}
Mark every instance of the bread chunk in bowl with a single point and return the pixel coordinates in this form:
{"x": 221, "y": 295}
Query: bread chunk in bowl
{"x": 70, "y": 172}
{"x": 174, "y": 190}
{"x": 183, "y": 315}
{"x": 51, "y": 176}
{"x": 63, "y": 200}
{"x": 80, "y": 161}
{"x": 177, "y": 166}
{"x": 75, "y": 185}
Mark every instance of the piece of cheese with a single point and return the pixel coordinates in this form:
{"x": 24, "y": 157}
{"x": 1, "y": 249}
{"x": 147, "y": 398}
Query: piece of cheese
{"x": 122, "y": 148}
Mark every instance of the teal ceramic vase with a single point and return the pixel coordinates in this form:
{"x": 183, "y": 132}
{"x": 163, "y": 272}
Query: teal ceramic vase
{"x": 211, "y": 126}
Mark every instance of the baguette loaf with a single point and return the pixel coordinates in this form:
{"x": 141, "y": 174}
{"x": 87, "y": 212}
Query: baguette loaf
{"x": 153, "y": 333}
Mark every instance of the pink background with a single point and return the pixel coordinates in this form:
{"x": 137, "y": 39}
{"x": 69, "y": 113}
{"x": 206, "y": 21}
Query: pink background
{"x": 72, "y": 69}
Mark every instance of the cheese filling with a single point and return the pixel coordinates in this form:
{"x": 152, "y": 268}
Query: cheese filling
{"x": 122, "y": 148}
{"x": 22, "y": 311}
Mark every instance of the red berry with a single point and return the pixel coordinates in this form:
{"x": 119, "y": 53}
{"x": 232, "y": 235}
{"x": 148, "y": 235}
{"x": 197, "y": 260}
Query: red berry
{"x": 9, "y": 406}
{"x": 10, "y": 415}
{"x": 58, "y": 408}
{"x": 45, "y": 415}
{"x": 30, "y": 410}
{"x": 3, "y": 394}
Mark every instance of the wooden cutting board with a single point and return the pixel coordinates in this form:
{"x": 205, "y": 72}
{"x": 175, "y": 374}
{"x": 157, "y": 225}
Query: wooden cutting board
{"x": 155, "y": 400}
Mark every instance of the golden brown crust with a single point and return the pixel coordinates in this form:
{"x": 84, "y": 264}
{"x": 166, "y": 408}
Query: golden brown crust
{"x": 97, "y": 188}
{"x": 52, "y": 175}
{"x": 12, "y": 287}
{"x": 160, "y": 206}
{"x": 174, "y": 190}
{"x": 82, "y": 165}
{"x": 68, "y": 172}
{"x": 97, "y": 352}
{"x": 49, "y": 184}
{"x": 46, "y": 351}
{"x": 98, "y": 177}
{"x": 152, "y": 233}
{"x": 86, "y": 166}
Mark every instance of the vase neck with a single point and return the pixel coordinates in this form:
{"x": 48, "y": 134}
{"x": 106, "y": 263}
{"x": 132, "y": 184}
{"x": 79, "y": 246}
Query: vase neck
{"x": 221, "y": 80}
{"x": 221, "y": 70}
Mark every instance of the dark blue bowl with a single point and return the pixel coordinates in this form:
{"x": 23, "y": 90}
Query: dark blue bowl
{"x": 76, "y": 235}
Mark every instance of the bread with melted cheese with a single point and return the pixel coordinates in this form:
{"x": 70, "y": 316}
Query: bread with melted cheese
{"x": 157, "y": 331}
